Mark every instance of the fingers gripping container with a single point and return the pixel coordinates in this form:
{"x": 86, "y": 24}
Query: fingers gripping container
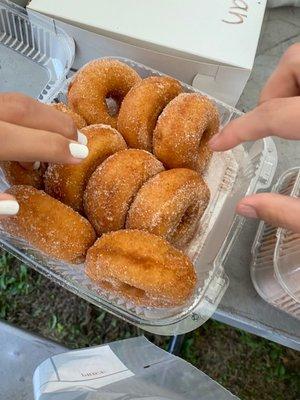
{"x": 32, "y": 48}
{"x": 230, "y": 176}
{"x": 275, "y": 268}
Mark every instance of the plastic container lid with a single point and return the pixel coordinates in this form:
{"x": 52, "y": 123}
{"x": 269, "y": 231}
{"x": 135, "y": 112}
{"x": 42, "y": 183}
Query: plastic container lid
{"x": 32, "y": 47}
{"x": 275, "y": 265}
{"x": 287, "y": 251}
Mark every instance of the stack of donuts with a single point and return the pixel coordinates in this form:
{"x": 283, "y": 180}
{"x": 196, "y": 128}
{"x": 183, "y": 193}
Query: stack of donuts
{"x": 132, "y": 206}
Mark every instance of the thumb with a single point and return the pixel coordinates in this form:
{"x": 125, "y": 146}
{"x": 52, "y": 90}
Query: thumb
{"x": 8, "y": 205}
{"x": 276, "y": 209}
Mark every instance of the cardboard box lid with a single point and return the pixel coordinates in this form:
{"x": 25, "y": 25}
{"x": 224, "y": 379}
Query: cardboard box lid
{"x": 225, "y": 31}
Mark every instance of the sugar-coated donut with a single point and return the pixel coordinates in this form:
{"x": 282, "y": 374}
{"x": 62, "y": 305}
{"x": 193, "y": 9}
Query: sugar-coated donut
{"x": 79, "y": 121}
{"x": 181, "y": 136}
{"x": 15, "y": 174}
{"x": 141, "y": 267}
{"x": 170, "y": 205}
{"x": 67, "y": 182}
{"x": 141, "y": 107}
{"x": 113, "y": 186}
{"x": 94, "y": 83}
{"x": 49, "y": 226}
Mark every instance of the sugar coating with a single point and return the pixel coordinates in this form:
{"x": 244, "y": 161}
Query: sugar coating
{"x": 68, "y": 182}
{"x": 48, "y": 225}
{"x": 78, "y": 120}
{"x": 113, "y": 186}
{"x": 182, "y": 132}
{"x": 97, "y": 81}
{"x": 141, "y": 108}
{"x": 142, "y": 267}
{"x": 170, "y": 205}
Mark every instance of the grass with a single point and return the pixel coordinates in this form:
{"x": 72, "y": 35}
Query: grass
{"x": 250, "y": 367}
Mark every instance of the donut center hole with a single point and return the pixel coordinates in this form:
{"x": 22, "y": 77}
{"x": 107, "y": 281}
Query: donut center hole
{"x": 186, "y": 218}
{"x": 113, "y": 104}
{"x": 130, "y": 290}
{"x": 133, "y": 291}
{"x": 186, "y": 223}
{"x": 206, "y": 136}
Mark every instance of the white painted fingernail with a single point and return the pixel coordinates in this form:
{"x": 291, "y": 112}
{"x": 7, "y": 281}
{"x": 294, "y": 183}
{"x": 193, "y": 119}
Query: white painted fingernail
{"x": 36, "y": 165}
{"x": 82, "y": 139}
{"x": 9, "y": 207}
{"x": 78, "y": 150}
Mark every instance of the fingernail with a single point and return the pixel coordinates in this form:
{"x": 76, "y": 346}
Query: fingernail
{"x": 247, "y": 211}
{"x": 214, "y": 140}
{"x": 9, "y": 207}
{"x": 36, "y": 165}
{"x": 78, "y": 150}
{"x": 82, "y": 139}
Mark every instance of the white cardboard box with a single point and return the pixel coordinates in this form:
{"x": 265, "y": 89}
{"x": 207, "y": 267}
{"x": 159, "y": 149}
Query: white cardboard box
{"x": 210, "y": 44}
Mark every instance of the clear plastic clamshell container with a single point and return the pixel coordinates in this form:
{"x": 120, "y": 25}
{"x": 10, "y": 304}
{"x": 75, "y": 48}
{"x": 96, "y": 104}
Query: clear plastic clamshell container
{"x": 230, "y": 176}
{"x": 48, "y": 50}
{"x": 275, "y": 268}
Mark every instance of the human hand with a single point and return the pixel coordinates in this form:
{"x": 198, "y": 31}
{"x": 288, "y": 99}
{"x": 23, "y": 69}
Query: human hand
{"x": 278, "y": 114}
{"x": 32, "y": 132}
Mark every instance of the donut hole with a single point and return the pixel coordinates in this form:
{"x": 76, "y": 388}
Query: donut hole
{"x": 185, "y": 226}
{"x": 206, "y": 136}
{"x": 113, "y": 103}
{"x": 133, "y": 291}
{"x": 130, "y": 290}
{"x": 186, "y": 219}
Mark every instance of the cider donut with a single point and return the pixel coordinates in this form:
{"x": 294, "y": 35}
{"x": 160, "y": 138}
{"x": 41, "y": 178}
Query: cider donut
{"x": 94, "y": 83}
{"x": 79, "y": 121}
{"x": 170, "y": 205}
{"x": 141, "y": 107}
{"x": 181, "y": 136}
{"x": 49, "y": 226}
{"x": 113, "y": 186}
{"x": 15, "y": 174}
{"x": 67, "y": 182}
{"x": 141, "y": 267}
